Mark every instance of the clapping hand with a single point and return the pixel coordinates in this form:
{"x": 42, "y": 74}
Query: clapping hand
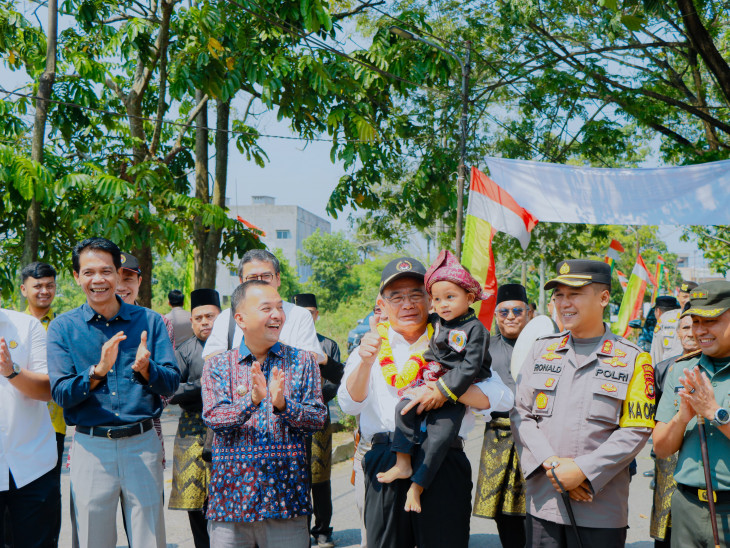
{"x": 277, "y": 382}
{"x": 142, "y": 360}
{"x": 258, "y": 392}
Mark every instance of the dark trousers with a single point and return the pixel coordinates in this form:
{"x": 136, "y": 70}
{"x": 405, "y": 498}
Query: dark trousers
{"x": 442, "y": 427}
{"x": 511, "y": 530}
{"x": 199, "y": 528}
{"x": 445, "y": 505}
{"x": 60, "y": 442}
{"x": 547, "y": 534}
{"x": 31, "y": 507}
{"x": 322, "y": 508}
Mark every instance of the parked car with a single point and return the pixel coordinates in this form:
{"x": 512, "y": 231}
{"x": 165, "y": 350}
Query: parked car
{"x": 354, "y": 336}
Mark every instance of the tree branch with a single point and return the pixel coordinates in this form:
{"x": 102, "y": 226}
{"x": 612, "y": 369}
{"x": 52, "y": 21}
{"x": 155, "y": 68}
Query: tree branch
{"x": 704, "y": 44}
{"x": 177, "y": 147}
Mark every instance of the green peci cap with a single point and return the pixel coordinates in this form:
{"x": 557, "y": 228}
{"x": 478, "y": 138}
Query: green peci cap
{"x": 709, "y": 300}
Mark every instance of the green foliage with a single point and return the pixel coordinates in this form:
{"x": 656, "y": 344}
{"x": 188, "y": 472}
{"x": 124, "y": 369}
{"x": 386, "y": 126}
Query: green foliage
{"x": 289, "y": 279}
{"x": 714, "y": 241}
{"x": 330, "y": 257}
{"x": 169, "y": 274}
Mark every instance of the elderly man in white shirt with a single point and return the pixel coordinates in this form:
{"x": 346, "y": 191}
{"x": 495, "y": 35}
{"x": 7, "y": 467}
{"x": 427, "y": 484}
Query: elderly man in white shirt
{"x": 298, "y": 330}
{"x": 446, "y": 504}
{"x": 29, "y": 488}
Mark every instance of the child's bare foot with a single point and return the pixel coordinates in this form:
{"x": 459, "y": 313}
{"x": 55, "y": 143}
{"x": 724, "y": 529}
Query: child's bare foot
{"x": 413, "y": 498}
{"x": 401, "y": 470}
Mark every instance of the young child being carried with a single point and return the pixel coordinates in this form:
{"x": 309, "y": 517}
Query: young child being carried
{"x": 457, "y": 357}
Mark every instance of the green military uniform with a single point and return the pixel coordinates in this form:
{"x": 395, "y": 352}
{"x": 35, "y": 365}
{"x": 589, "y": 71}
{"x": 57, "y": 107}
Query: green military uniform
{"x": 690, "y": 516}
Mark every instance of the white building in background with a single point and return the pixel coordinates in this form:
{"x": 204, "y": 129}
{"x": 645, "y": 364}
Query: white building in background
{"x": 286, "y": 227}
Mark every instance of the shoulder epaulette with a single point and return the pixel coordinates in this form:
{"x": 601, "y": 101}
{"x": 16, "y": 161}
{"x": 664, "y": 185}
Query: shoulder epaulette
{"x": 689, "y": 355}
{"x": 628, "y": 343}
{"x": 552, "y": 335}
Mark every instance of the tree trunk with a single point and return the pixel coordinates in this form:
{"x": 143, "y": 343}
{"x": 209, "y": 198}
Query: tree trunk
{"x": 45, "y": 88}
{"x": 144, "y": 257}
{"x": 201, "y": 189}
{"x": 541, "y": 308}
{"x": 703, "y": 43}
{"x": 213, "y": 237}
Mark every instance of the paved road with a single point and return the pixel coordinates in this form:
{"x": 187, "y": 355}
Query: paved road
{"x": 345, "y": 521}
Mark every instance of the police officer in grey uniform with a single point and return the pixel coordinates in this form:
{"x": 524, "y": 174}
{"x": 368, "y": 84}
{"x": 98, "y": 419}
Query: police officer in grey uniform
{"x": 584, "y": 409}
{"x": 665, "y": 343}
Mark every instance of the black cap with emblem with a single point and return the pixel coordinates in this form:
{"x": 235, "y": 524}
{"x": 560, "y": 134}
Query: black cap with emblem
{"x": 401, "y": 268}
{"x": 686, "y": 287}
{"x": 580, "y": 272}
{"x": 130, "y": 262}
{"x": 709, "y": 300}
{"x": 203, "y": 297}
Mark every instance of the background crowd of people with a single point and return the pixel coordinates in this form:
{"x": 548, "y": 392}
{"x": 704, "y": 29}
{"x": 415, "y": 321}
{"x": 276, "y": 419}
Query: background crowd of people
{"x": 252, "y": 453}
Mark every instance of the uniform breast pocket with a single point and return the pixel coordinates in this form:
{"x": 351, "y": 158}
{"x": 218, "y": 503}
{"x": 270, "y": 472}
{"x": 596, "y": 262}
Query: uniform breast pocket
{"x": 545, "y": 388}
{"x": 607, "y": 401}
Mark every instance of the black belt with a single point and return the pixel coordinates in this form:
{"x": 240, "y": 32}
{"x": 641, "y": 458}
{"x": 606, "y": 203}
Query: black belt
{"x": 116, "y": 432}
{"x": 387, "y": 437}
{"x": 721, "y": 497}
{"x": 500, "y": 415}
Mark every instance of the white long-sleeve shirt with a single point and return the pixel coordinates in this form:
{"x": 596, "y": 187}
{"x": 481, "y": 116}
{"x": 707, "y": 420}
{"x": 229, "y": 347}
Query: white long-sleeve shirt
{"x": 377, "y": 410}
{"x": 298, "y": 331}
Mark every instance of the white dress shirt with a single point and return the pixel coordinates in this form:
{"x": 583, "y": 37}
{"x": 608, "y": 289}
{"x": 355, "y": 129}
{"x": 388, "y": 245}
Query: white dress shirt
{"x": 27, "y": 440}
{"x": 298, "y": 331}
{"x": 377, "y": 410}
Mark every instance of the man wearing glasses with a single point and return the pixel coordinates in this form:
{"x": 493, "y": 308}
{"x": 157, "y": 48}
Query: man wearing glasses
{"x": 298, "y": 330}
{"x": 500, "y": 493}
{"x": 446, "y": 505}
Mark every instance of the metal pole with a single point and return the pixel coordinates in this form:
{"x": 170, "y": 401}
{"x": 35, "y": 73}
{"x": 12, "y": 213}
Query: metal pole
{"x": 465, "y": 70}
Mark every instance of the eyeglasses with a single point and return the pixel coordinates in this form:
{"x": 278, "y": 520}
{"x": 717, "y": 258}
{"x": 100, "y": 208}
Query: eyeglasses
{"x": 262, "y": 277}
{"x": 504, "y": 312}
{"x": 416, "y": 297}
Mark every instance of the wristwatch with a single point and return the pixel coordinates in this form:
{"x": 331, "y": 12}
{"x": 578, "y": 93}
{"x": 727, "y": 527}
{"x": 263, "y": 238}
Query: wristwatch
{"x": 94, "y": 376}
{"x": 722, "y": 416}
{"x": 16, "y": 371}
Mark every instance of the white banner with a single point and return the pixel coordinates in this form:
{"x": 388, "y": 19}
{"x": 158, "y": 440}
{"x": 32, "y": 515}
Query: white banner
{"x": 687, "y": 195}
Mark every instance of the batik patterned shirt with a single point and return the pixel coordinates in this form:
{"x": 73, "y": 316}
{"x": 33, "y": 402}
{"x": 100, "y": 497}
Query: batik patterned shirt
{"x": 259, "y": 468}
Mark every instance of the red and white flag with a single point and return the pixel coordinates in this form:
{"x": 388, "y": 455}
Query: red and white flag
{"x": 488, "y": 201}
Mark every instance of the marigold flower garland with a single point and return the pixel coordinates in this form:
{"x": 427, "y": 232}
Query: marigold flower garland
{"x": 415, "y": 363}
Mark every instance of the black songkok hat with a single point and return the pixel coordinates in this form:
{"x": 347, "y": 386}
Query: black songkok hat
{"x": 203, "y": 297}
{"x": 511, "y": 292}
{"x": 130, "y": 262}
{"x": 667, "y": 302}
{"x": 305, "y": 300}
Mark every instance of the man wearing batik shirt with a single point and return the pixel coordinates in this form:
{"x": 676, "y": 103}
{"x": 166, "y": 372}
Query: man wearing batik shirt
{"x": 261, "y": 399}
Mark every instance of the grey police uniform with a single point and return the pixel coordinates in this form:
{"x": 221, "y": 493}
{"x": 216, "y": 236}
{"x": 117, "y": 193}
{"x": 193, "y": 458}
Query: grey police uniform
{"x": 665, "y": 343}
{"x": 598, "y": 410}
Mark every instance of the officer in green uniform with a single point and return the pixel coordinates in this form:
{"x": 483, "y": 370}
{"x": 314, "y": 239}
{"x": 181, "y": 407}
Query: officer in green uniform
{"x": 500, "y": 492}
{"x": 660, "y": 525}
{"x": 698, "y": 385}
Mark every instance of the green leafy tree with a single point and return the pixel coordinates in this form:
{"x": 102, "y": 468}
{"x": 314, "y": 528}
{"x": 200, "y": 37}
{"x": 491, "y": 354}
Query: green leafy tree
{"x": 714, "y": 241}
{"x": 289, "y": 280}
{"x": 331, "y": 257}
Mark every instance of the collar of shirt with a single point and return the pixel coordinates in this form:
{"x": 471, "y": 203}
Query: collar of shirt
{"x": 89, "y": 313}
{"x": 46, "y": 319}
{"x": 402, "y": 349}
{"x": 244, "y": 352}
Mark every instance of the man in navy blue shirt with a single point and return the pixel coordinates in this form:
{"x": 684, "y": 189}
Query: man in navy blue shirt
{"x": 109, "y": 364}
